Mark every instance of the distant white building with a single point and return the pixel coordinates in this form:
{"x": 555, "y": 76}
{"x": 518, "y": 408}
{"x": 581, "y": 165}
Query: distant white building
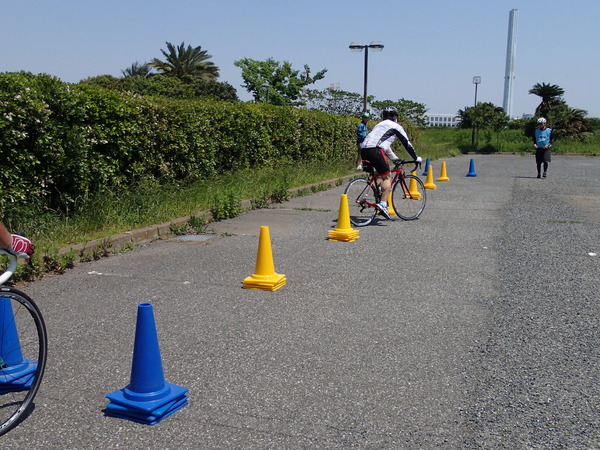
{"x": 442, "y": 120}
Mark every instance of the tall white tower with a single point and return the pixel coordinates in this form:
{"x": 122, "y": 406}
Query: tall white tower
{"x": 511, "y": 54}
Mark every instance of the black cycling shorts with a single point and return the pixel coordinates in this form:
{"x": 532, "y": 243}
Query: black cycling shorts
{"x": 376, "y": 157}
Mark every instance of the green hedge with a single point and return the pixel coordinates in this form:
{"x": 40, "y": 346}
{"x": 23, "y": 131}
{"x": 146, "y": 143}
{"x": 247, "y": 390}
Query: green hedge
{"x": 63, "y": 144}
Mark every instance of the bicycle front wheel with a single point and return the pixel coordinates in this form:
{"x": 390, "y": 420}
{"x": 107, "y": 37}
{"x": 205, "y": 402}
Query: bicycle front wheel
{"x": 361, "y": 202}
{"x": 409, "y": 197}
{"x": 23, "y": 349}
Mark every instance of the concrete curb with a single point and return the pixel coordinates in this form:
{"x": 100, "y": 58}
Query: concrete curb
{"x": 141, "y": 236}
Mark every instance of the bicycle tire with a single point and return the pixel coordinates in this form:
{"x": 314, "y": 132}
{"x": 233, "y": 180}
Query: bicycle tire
{"x": 409, "y": 207}
{"x": 23, "y": 353}
{"x": 359, "y": 191}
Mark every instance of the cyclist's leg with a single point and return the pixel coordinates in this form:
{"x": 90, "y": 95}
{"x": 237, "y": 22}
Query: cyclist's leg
{"x": 379, "y": 162}
{"x": 23, "y": 347}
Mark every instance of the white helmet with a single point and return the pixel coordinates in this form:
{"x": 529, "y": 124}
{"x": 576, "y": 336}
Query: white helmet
{"x": 541, "y": 120}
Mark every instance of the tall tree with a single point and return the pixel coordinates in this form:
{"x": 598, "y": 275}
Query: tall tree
{"x": 408, "y": 110}
{"x": 274, "y": 82}
{"x": 551, "y": 95}
{"x": 183, "y": 62}
{"x": 334, "y": 101}
{"x": 486, "y": 117}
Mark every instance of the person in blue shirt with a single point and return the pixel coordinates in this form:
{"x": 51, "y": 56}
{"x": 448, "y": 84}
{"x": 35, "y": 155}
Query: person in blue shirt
{"x": 361, "y": 134}
{"x": 542, "y": 142}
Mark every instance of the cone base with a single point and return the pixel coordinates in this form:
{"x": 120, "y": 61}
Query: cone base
{"x": 18, "y": 377}
{"x": 22, "y": 384}
{"x": 146, "y": 418}
{"x": 429, "y": 186}
{"x": 264, "y": 282}
{"x": 443, "y": 179}
{"x": 151, "y": 403}
{"x": 347, "y": 235}
{"x": 471, "y": 174}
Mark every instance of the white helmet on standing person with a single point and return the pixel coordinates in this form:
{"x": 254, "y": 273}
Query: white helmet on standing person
{"x": 541, "y": 120}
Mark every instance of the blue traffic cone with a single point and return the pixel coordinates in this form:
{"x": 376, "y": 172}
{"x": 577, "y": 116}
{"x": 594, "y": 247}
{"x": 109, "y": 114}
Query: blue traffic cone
{"x": 472, "y": 169}
{"x": 148, "y": 398}
{"x": 17, "y": 372}
{"x": 426, "y": 167}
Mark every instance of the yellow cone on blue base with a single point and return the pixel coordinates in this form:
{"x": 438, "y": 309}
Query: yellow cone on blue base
{"x": 343, "y": 231}
{"x": 264, "y": 277}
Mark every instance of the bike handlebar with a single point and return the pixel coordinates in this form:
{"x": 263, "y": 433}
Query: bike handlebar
{"x": 12, "y": 266}
{"x": 401, "y": 162}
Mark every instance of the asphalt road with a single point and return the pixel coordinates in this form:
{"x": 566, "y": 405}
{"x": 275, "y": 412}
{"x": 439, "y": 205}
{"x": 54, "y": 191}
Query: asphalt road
{"x": 475, "y": 326}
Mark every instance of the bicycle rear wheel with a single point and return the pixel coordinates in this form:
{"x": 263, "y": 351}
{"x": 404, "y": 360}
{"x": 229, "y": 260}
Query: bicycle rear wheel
{"x": 409, "y": 197}
{"x": 361, "y": 198}
{"x": 23, "y": 349}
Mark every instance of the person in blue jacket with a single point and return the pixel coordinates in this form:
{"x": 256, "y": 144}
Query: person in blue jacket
{"x": 542, "y": 142}
{"x": 361, "y": 134}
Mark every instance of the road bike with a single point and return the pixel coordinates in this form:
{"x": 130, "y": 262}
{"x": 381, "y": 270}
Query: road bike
{"x": 23, "y": 351}
{"x": 408, "y": 195}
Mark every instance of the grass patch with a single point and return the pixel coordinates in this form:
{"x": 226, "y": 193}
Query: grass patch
{"x": 114, "y": 213}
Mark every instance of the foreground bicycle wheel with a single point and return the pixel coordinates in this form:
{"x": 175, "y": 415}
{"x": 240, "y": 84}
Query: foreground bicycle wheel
{"x": 23, "y": 349}
{"x": 409, "y": 197}
{"x": 361, "y": 198}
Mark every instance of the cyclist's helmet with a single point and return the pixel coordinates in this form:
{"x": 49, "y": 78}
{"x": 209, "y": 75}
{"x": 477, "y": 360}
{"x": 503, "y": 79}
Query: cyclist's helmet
{"x": 541, "y": 120}
{"x": 366, "y": 114}
{"x": 390, "y": 112}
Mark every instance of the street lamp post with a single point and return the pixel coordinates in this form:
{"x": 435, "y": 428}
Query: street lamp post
{"x": 476, "y": 81}
{"x": 376, "y": 46}
{"x": 266, "y": 88}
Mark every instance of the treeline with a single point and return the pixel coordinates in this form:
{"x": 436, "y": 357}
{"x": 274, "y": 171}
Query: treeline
{"x": 62, "y": 144}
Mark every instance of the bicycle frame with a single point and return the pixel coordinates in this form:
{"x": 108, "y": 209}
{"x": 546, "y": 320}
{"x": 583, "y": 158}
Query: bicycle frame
{"x": 399, "y": 177}
{"x": 364, "y": 195}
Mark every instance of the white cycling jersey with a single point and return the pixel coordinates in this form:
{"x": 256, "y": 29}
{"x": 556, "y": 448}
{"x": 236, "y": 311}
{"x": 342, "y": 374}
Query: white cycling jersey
{"x": 384, "y": 134}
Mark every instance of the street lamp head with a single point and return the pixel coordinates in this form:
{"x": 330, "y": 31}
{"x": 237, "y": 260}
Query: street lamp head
{"x": 376, "y": 46}
{"x": 356, "y": 46}
{"x": 476, "y": 80}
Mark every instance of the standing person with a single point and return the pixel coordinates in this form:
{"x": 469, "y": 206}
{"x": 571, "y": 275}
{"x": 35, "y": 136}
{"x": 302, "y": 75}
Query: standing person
{"x": 361, "y": 134}
{"x": 542, "y": 142}
{"x": 378, "y": 144}
{"x": 14, "y": 244}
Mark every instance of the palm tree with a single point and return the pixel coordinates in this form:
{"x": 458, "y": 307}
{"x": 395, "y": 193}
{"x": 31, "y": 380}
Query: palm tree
{"x": 182, "y": 62}
{"x": 567, "y": 121}
{"x": 137, "y": 70}
{"x": 551, "y": 95}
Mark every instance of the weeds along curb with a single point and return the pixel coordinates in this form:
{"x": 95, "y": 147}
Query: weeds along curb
{"x": 140, "y": 236}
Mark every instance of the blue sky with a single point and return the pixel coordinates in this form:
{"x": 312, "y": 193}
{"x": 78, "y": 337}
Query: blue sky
{"x": 433, "y": 48}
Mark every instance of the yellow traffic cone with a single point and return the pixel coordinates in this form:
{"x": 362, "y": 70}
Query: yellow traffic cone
{"x": 412, "y": 187}
{"x": 443, "y": 175}
{"x": 429, "y": 184}
{"x": 343, "y": 231}
{"x": 264, "y": 277}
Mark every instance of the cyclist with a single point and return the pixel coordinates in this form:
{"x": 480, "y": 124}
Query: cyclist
{"x": 14, "y": 244}
{"x": 378, "y": 144}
